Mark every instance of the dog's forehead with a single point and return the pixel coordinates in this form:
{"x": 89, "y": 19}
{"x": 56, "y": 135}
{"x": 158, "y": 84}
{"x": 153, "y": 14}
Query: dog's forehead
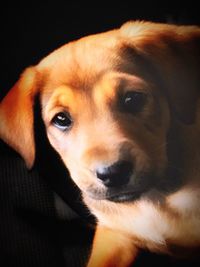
{"x": 81, "y": 63}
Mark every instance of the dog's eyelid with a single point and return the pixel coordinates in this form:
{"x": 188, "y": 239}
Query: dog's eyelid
{"x": 55, "y": 110}
{"x": 136, "y": 90}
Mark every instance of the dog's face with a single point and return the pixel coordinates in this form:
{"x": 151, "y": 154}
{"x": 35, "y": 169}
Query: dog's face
{"x": 110, "y": 131}
{"x": 108, "y": 102}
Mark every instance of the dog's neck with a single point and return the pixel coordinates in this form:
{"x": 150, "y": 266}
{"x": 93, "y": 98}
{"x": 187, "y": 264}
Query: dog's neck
{"x": 191, "y": 145}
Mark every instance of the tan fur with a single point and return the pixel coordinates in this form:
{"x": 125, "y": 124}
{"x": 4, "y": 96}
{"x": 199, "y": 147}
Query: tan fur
{"x": 84, "y": 78}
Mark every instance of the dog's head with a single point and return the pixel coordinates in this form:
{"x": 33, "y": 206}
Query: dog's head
{"x": 109, "y": 102}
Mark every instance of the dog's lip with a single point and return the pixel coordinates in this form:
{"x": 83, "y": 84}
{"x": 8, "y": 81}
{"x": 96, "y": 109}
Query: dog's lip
{"x": 127, "y": 193}
{"x": 124, "y": 197}
{"x": 117, "y": 196}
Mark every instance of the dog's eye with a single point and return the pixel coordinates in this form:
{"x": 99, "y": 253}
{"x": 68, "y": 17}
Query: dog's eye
{"x": 133, "y": 102}
{"x": 62, "y": 121}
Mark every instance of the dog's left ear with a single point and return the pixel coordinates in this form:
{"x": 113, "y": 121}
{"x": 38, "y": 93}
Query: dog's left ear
{"x": 178, "y": 62}
{"x": 16, "y": 116}
{"x": 181, "y": 76}
{"x": 170, "y": 54}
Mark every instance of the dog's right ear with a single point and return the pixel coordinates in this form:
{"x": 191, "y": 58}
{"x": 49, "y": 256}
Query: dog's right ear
{"x": 16, "y": 115}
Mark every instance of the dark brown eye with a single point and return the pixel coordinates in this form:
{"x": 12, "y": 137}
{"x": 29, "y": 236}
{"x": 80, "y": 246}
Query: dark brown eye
{"x": 133, "y": 102}
{"x": 62, "y": 121}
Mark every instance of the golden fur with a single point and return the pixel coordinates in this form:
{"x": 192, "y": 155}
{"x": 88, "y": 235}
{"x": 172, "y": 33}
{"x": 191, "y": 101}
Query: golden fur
{"x": 85, "y": 78}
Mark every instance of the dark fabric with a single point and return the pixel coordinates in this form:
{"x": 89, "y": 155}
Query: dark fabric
{"x": 31, "y": 232}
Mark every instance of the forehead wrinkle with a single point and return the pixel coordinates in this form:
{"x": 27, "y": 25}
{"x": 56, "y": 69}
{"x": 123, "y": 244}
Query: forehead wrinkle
{"x": 76, "y": 101}
{"x": 59, "y": 97}
{"x": 104, "y": 91}
{"x": 84, "y": 81}
{"x": 114, "y": 83}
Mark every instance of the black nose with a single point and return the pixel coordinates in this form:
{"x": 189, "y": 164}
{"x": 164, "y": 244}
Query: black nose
{"x": 117, "y": 174}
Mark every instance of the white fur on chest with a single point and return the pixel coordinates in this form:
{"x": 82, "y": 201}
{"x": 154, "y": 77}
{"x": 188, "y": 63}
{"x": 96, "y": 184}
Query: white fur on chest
{"x": 176, "y": 219}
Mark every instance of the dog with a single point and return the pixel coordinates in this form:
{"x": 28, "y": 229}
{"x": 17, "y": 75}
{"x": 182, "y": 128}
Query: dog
{"x": 122, "y": 110}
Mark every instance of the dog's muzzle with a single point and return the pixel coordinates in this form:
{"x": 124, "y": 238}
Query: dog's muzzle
{"x": 121, "y": 183}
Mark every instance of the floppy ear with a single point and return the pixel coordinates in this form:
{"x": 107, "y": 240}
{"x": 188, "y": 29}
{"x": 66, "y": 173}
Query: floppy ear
{"x": 177, "y": 61}
{"x": 16, "y": 116}
{"x": 170, "y": 54}
{"x": 181, "y": 77}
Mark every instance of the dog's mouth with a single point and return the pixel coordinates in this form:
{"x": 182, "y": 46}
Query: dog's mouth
{"x": 124, "y": 197}
{"x": 123, "y": 194}
{"x": 120, "y": 196}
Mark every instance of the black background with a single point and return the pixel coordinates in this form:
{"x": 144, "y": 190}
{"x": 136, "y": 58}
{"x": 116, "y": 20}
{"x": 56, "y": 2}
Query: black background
{"x": 30, "y": 29}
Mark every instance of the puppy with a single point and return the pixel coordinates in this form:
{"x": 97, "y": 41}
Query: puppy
{"x": 122, "y": 109}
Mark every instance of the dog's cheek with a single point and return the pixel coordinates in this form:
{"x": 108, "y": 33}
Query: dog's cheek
{"x": 64, "y": 152}
{"x": 70, "y": 156}
{"x": 55, "y": 141}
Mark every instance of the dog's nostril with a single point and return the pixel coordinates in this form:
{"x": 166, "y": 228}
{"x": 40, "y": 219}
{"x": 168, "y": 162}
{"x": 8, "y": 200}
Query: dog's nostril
{"x": 116, "y": 175}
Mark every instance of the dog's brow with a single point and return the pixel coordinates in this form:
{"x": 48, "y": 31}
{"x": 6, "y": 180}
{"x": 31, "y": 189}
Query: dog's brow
{"x": 126, "y": 54}
{"x": 134, "y": 61}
